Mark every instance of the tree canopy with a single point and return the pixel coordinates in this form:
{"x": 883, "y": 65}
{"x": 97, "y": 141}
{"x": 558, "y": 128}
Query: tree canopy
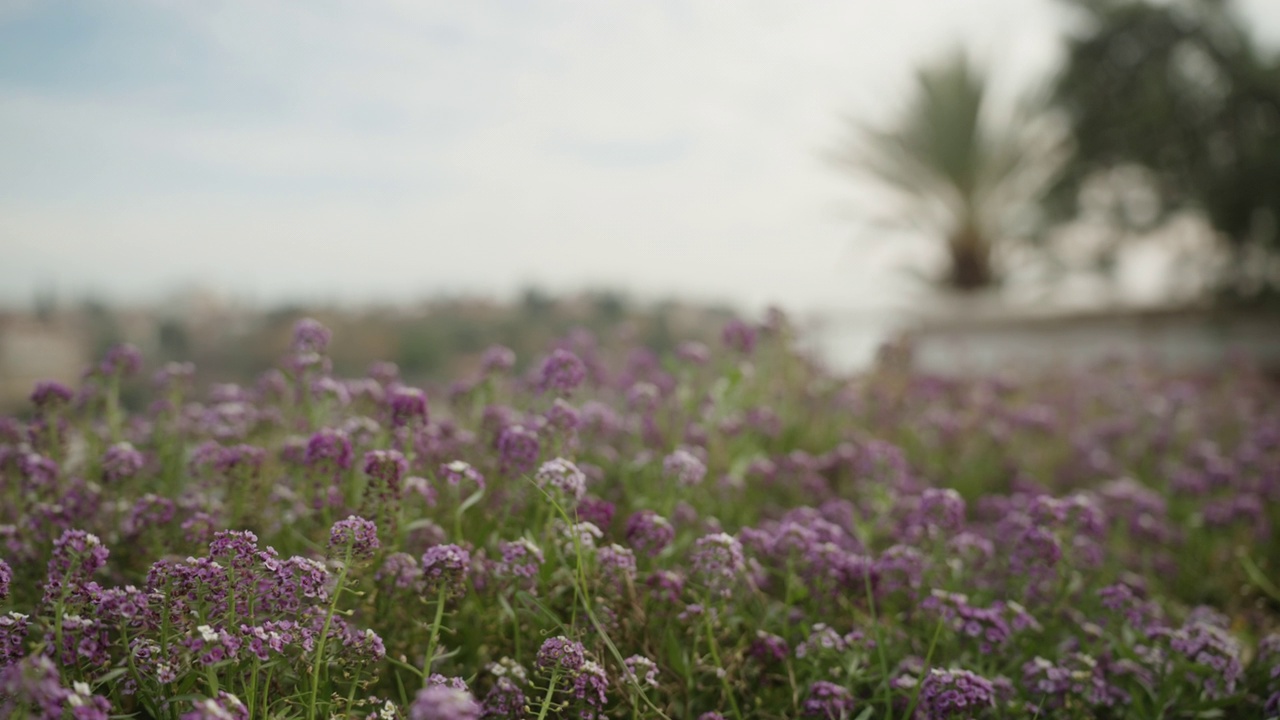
{"x": 1182, "y": 91}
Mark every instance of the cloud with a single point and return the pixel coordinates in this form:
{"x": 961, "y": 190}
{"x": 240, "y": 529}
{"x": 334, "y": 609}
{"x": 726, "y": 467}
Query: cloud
{"x": 387, "y": 149}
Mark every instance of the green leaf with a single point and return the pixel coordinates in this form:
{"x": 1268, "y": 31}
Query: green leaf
{"x": 469, "y": 502}
{"x": 112, "y": 675}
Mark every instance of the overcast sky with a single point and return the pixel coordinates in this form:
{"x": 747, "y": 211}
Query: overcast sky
{"x": 353, "y": 151}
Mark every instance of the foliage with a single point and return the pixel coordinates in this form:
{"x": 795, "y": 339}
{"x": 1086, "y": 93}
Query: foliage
{"x": 1180, "y": 90}
{"x": 705, "y": 533}
{"x": 957, "y": 172}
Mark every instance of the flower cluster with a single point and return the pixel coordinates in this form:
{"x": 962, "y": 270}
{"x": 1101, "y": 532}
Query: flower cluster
{"x": 723, "y": 531}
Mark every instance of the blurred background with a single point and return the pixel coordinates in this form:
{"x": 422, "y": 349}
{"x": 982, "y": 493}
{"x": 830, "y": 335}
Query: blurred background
{"x": 987, "y": 181}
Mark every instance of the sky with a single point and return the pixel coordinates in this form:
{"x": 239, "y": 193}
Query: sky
{"x": 388, "y": 151}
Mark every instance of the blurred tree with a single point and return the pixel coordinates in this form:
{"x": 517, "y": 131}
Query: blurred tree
{"x": 608, "y": 308}
{"x": 173, "y": 339}
{"x": 1179, "y": 91}
{"x": 959, "y": 174}
{"x": 103, "y": 326}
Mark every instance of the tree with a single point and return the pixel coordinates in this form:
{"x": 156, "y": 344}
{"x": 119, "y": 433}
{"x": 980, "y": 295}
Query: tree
{"x": 1179, "y": 90}
{"x": 957, "y": 173}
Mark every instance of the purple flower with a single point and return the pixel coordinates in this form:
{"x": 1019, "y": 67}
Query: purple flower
{"x": 77, "y": 555}
{"x": 563, "y": 416}
{"x": 212, "y": 645}
{"x": 640, "y": 670}
{"x": 561, "y": 653}
{"x": 331, "y": 447}
{"x": 457, "y": 471}
{"x": 648, "y": 532}
{"x": 578, "y": 536}
{"x": 389, "y": 466}
{"x": 13, "y": 633}
{"x": 121, "y": 360}
{"x": 309, "y": 336}
{"x": 236, "y": 549}
{"x": 596, "y": 511}
{"x": 149, "y": 511}
{"x": 356, "y": 535}
{"x": 617, "y": 567}
{"x": 442, "y": 702}
{"x": 665, "y": 585}
{"x": 49, "y": 395}
{"x": 955, "y": 693}
{"x": 562, "y": 372}
{"x": 1205, "y": 641}
{"x": 174, "y": 375}
{"x": 768, "y": 648}
{"x": 34, "y": 682}
{"x": 823, "y": 638}
{"x": 408, "y": 406}
{"x": 497, "y": 359}
{"x": 456, "y": 683}
{"x": 562, "y": 479}
{"x": 6, "y": 576}
{"x": 520, "y": 558}
{"x": 590, "y": 684}
{"x": 718, "y": 563}
{"x": 327, "y": 388}
{"x": 643, "y": 397}
{"x": 828, "y": 700}
{"x": 445, "y": 567}
{"x": 225, "y": 707}
{"x": 404, "y": 572}
{"x": 989, "y": 625}
{"x": 505, "y": 700}
{"x": 518, "y": 448}
{"x": 362, "y": 647}
{"x": 693, "y": 352}
{"x": 1077, "y": 679}
{"x": 941, "y": 510}
{"x": 121, "y": 461}
{"x": 684, "y": 467}
{"x": 739, "y": 336}
{"x": 38, "y": 470}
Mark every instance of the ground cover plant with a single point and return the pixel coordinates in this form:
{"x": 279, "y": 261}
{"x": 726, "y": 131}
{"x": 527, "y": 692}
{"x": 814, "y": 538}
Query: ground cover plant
{"x": 724, "y": 532}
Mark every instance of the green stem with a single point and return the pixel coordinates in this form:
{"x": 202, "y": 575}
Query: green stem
{"x": 435, "y": 634}
{"x": 928, "y": 663}
{"x": 113, "y": 408}
{"x": 212, "y": 677}
{"x": 60, "y": 608}
{"x": 715, "y": 657}
{"x": 133, "y": 668}
{"x": 351, "y": 694}
{"x": 266, "y": 706}
{"x": 884, "y": 663}
{"x": 253, "y": 687}
{"x": 324, "y": 635}
{"x": 546, "y": 699}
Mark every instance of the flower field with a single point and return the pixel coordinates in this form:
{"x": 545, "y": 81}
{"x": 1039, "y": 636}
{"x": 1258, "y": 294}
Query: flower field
{"x": 727, "y": 532}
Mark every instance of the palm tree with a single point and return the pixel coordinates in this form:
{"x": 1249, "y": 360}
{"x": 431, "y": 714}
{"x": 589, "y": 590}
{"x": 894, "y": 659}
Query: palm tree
{"x": 958, "y": 175}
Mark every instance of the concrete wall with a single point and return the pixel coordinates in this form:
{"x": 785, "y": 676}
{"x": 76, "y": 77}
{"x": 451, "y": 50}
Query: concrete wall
{"x": 1180, "y": 339}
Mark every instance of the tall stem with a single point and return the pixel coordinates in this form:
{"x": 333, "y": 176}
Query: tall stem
{"x": 715, "y": 657}
{"x": 435, "y": 634}
{"x": 546, "y": 699}
{"x": 324, "y": 635}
